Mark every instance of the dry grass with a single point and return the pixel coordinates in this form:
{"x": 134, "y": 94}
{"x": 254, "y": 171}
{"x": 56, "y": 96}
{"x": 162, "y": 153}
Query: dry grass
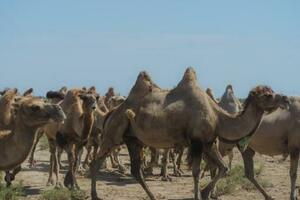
{"x": 237, "y": 180}
{"x": 10, "y": 193}
{"x": 63, "y": 194}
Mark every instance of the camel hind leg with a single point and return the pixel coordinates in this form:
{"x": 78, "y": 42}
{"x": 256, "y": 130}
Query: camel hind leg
{"x": 194, "y": 161}
{"x": 294, "y": 158}
{"x": 31, "y": 160}
{"x": 213, "y": 155}
{"x": 134, "y": 148}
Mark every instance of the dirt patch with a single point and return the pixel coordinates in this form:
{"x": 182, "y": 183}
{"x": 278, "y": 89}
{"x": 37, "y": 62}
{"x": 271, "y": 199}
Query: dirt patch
{"x": 113, "y": 185}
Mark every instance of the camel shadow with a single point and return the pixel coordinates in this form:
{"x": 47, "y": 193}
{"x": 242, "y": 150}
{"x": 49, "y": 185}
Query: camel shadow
{"x": 28, "y": 191}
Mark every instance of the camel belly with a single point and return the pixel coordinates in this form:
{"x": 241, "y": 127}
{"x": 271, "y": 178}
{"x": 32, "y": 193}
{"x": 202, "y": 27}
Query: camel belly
{"x": 266, "y": 147}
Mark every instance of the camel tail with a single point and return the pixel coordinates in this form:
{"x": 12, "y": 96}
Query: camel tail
{"x": 130, "y": 114}
{"x": 61, "y": 140}
{"x": 194, "y": 150}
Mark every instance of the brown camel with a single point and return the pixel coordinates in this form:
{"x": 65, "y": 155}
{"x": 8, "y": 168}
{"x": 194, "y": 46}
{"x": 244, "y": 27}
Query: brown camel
{"x": 277, "y": 135}
{"x": 183, "y": 116}
{"x": 56, "y": 98}
{"x": 79, "y": 106}
{"x": 100, "y": 114}
{"x": 30, "y": 113}
{"x": 231, "y": 104}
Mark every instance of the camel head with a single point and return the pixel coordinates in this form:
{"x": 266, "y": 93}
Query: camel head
{"x": 89, "y": 101}
{"x": 36, "y": 112}
{"x": 264, "y": 98}
{"x": 115, "y": 101}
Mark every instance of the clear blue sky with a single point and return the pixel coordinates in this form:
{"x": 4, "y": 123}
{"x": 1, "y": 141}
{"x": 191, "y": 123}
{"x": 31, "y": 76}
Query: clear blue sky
{"x": 48, "y": 44}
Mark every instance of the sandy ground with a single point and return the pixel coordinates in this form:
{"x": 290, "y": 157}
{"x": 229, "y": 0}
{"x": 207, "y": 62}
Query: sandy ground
{"x": 112, "y": 185}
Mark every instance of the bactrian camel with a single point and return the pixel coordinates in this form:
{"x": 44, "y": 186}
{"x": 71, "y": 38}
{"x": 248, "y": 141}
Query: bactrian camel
{"x": 231, "y": 104}
{"x": 183, "y": 116}
{"x": 277, "y": 135}
{"x": 29, "y": 114}
{"x": 79, "y": 106}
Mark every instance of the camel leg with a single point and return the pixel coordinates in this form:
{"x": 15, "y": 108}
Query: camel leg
{"x": 52, "y": 150}
{"x": 230, "y": 158}
{"x": 59, "y": 152}
{"x": 196, "y": 155}
{"x": 134, "y": 148}
{"x": 153, "y": 161}
{"x": 214, "y": 156}
{"x": 87, "y": 157}
{"x": 115, "y": 154}
{"x": 173, "y": 157}
{"x": 69, "y": 180}
{"x": 164, "y": 168}
{"x": 294, "y": 158}
{"x": 9, "y": 177}
{"x": 31, "y": 160}
{"x": 248, "y": 155}
{"x": 179, "y": 159}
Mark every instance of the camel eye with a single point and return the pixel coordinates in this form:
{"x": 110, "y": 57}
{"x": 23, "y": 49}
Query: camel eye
{"x": 35, "y": 108}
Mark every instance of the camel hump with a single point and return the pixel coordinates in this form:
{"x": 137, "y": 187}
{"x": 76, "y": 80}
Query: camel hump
{"x": 130, "y": 114}
{"x": 189, "y": 76}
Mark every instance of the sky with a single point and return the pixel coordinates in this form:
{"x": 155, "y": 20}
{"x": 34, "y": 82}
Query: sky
{"x": 49, "y": 44}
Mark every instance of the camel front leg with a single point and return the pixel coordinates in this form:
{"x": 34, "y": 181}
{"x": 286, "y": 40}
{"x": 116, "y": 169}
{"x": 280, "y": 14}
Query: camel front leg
{"x": 31, "y": 160}
{"x": 135, "y": 147}
{"x": 294, "y": 158}
{"x": 213, "y": 156}
{"x": 248, "y": 155}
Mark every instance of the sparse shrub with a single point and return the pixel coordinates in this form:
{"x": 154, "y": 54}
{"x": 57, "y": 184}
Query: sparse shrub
{"x": 236, "y": 179}
{"x": 10, "y": 193}
{"x": 63, "y": 194}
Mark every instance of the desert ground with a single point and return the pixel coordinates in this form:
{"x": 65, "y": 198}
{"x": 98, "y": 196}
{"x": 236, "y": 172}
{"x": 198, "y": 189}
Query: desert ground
{"x": 112, "y": 185}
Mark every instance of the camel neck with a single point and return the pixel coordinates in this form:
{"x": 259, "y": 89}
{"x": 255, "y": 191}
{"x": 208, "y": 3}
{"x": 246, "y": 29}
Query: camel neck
{"x": 233, "y": 128}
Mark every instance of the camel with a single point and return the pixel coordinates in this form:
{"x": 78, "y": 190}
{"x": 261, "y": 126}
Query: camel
{"x": 277, "y": 135}
{"x": 56, "y": 98}
{"x": 183, "y": 116}
{"x": 109, "y": 102}
{"x": 231, "y": 104}
{"x": 30, "y": 113}
{"x": 79, "y": 106}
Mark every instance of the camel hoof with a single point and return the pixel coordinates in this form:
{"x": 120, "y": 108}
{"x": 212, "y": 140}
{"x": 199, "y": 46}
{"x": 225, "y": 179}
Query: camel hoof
{"x": 50, "y": 183}
{"x": 166, "y": 178}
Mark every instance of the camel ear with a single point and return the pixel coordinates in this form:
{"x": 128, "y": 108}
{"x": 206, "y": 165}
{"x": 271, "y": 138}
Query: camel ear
{"x": 28, "y": 92}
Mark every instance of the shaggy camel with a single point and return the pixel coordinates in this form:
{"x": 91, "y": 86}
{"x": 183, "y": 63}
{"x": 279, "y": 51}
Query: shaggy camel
{"x": 183, "y": 116}
{"x": 277, "y": 135}
{"x": 79, "y": 106}
{"x": 30, "y": 113}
